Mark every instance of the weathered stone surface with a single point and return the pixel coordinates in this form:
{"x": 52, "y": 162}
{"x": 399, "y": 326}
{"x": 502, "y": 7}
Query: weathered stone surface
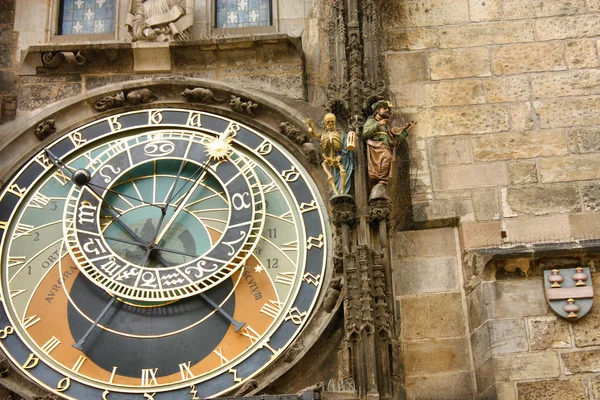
{"x": 436, "y": 356}
{"x": 569, "y": 83}
{"x": 424, "y": 13}
{"x": 184, "y": 59}
{"x": 574, "y": 389}
{"x": 445, "y": 93}
{"x": 451, "y": 150}
{"x": 432, "y": 316}
{"x": 505, "y": 391}
{"x": 593, "y": 5}
{"x": 481, "y": 344}
{"x": 591, "y": 196}
{"x": 521, "y": 116}
{"x": 548, "y": 333}
{"x": 407, "y": 67}
{"x": 485, "y": 10}
{"x": 509, "y": 146}
{"x": 443, "y": 209}
{"x": 483, "y": 234}
{"x": 498, "y": 337}
{"x": 469, "y": 176}
{"x": 578, "y": 167}
{"x": 462, "y": 63}
{"x": 526, "y": 366}
{"x": 585, "y": 225}
{"x": 579, "y": 26}
{"x": 454, "y": 386}
{"x": 484, "y": 376}
{"x": 462, "y": 120}
{"x": 34, "y": 96}
{"x": 485, "y": 34}
{"x": 409, "y": 94}
{"x": 519, "y": 298}
{"x": 486, "y": 204}
{"x": 584, "y": 140}
{"x": 7, "y": 54}
{"x": 7, "y": 12}
{"x": 505, "y": 89}
{"x": 539, "y": 229}
{"x": 517, "y": 9}
{"x": 418, "y": 243}
{"x": 409, "y": 39}
{"x": 519, "y": 58}
{"x": 429, "y": 275}
{"x": 586, "y": 330}
{"x": 290, "y": 84}
{"x": 276, "y": 53}
{"x": 8, "y": 108}
{"x": 581, "y": 54}
{"x": 574, "y": 111}
{"x": 581, "y": 362}
{"x": 521, "y": 172}
{"x": 8, "y": 82}
{"x": 544, "y": 199}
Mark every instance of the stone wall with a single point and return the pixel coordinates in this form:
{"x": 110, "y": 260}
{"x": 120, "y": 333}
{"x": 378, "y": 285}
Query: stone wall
{"x": 507, "y": 100}
{"x": 8, "y": 73}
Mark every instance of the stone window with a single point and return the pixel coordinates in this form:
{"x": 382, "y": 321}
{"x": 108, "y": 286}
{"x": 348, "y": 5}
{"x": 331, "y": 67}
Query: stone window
{"x": 86, "y": 17}
{"x": 243, "y": 13}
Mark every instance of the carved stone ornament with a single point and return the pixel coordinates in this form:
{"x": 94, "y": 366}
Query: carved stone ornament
{"x": 53, "y": 60}
{"x": 48, "y": 397}
{"x": 379, "y": 209}
{"x": 4, "y": 367}
{"x": 332, "y": 295}
{"x": 160, "y": 20}
{"x": 569, "y": 292}
{"x": 344, "y": 210}
{"x": 45, "y": 129}
{"x": 201, "y": 95}
{"x": 238, "y": 105}
{"x": 133, "y": 97}
{"x": 247, "y": 387}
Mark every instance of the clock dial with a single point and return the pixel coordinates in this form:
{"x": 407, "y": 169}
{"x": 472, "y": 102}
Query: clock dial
{"x": 165, "y": 254}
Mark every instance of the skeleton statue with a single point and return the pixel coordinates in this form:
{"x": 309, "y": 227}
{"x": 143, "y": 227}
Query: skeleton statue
{"x": 337, "y": 148}
{"x": 160, "y": 20}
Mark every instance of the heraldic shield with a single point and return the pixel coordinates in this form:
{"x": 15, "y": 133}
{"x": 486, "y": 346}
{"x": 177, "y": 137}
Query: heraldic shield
{"x": 569, "y": 291}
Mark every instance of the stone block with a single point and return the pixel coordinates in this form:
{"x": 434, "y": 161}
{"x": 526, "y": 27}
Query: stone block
{"x": 581, "y": 54}
{"x": 506, "y": 391}
{"x": 436, "y": 356}
{"x": 407, "y": 67}
{"x": 469, "y": 176}
{"x": 7, "y": 54}
{"x": 443, "y": 209}
{"x": 520, "y": 58}
{"x": 419, "y": 243}
{"x": 593, "y": 5}
{"x": 522, "y": 172}
{"x": 35, "y": 96}
{"x": 591, "y": 196}
{"x": 585, "y": 226}
{"x": 517, "y": 298}
{"x": 574, "y": 111}
{"x": 8, "y": 108}
{"x": 584, "y": 140}
{"x": 579, "y": 167}
{"x": 450, "y": 150}
{"x": 508, "y": 336}
{"x": 283, "y": 53}
{"x": 481, "y": 234}
{"x": 518, "y": 9}
{"x": 581, "y": 362}
{"x": 238, "y": 57}
{"x": 521, "y": 116}
{"x": 477, "y": 305}
{"x": 291, "y": 84}
{"x": 430, "y": 275}
{"x": 461, "y": 63}
{"x": 485, "y": 10}
{"x": 595, "y": 380}
{"x": 454, "y": 93}
{"x": 486, "y": 204}
{"x": 151, "y": 57}
{"x": 509, "y": 146}
{"x": 579, "y": 26}
{"x": 432, "y": 316}
{"x": 505, "y": 89}
{"x": 409, "y": 94}
{"x": 548, "y": 333}
{"x": 586, "y": 330}
{"x": 7, "y": 12}
{"x": 481, "y": 344}
{"x": 8, "y": 82}
{"x": 544, "y": 199}
{"x": 454, "y": 386}
{"x": 526, "y": 366}
{"x": 409, "y": 39}
{"x": 573, "y": 389}
{"x": 486, "y": 34}
{"x": 569, "y": 83}
{"x": 539, "y": 229}
{"x": 405, "y": 14}
{"x": 471, "y": 120}
{"x": 184, "y": 59}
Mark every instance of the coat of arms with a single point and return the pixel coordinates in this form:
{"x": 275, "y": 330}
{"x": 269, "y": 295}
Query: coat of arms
{"x": 569, "y": 291}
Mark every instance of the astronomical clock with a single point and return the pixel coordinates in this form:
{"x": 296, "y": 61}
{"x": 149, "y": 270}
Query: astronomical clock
{"x": 160, "y": 253}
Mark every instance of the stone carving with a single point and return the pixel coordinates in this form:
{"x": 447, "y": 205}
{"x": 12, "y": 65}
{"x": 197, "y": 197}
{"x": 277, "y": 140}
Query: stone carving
{"x": 312, "y": 153}
{"x": 240, "y": 106}
{"x": 133, "y": 97}
{"x": 53, "y": 60}
{"x": 140, "y": 96}
{"x": 332, "y": 295}
{"x": 45, "y": 129}
{"x": 4, "y": 367}
{"x": 337, "y": 150}
{"x": 292, "y": 353}
{"x": 108, "y": 102}
{"x": 160, "y": 20}
{"x": 293, "y": 133}
{"x": 48, "y": 397}
{"x": 247, "y": 387}
{"x": 379, "y": 208}
{"x": 201, "y": 95}
{"x": 344, "y": 210}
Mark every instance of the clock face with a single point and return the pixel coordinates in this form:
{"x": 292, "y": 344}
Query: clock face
{"x": 157, "y": 254}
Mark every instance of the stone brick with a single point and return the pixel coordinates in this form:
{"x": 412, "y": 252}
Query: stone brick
{"x": 485, "y": 34}
{"x": 237, "y": 57}
{"x": 418, "y": 243}
{"x": 481, "y": 344}
{"x": 591, "y": 196}
{"x": 452, "y": 121}
{"x": 407, "y": 67}
{"x": 506, "y": 391}
{"x": 185, "y": 59}
{"x": 404, "y": 14}
{"x": 539, "y": 229}
{"x": 521, "y": 116}
{"x": 581, "y": 54}
{"x": 548, "y": 333}
{"x": 574, "y": 111}
{"x": 35, "y": 96}
{"x": 454, "y": 386}
{"x": 436, "y": 356}
{"x": 469, "y": 176}
{"x": 593, "y": 5}
{"x": 7, "y": 12}
{"x": 485, "y": 10}
{"x": 445, "y": 93}
{"x": 508, "y": 336}
{"x": 409, "y": 39}
{"x": 581, "y": 362}
{"x": 571, "y": 83}
{"x": 519, "y": 298}
{"x": 578, "y": 167}
{"x": 486, "y": 205}
{"x": 505, "y": 89}
{"x": 526, "y": 366}
{"x": 483, "y": 234}
{"x": 8, "y": 82}
{"x": 585, "y": 330}
{"x": 290, "y": 84}
{"x": 579, "y": 26}
{"x": 521, "y": 172}
{"x": 451, "y": 150}
{"x": 432, "y": 275}
{"x": 585, "y": 225}
{"x": 518, "y": 9}
{"x": 536, "y": 57}
{"x": 7, "y": 54}
{"x": 409, "y": 94}
{"x": 443, "y": 209}
{"x": 574, "y": 389}
{"x": 544, "y": 199}
{"x": 584, "y": 140}
{"x": 462, "y": 63}
{"x": 485, "y": 378}
{"x": 509, "y": 146}
{"x": 478, "y": 311}
{"x": 432, "y": 316}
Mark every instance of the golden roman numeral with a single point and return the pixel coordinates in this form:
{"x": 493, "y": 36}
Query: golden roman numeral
{"x": 285, "y": 278}
{"x": 219, "y": 353}
{"x": 50, "y": 345}
{"x": 251, "y": 334}
{"x": 14, "y": 261}
{"x": 290, "y": 246}
{"x": 271, "y": 187}
{"x": 112, "y": 374}
{"x": 15, "y": 293}
{"x": 22, "y": 230}
{"x": 271, "y": 308}
{"x": 185, "y": 371}
{"x": 39, "y": 201}
{"x": 30, "y": 321}
{"x": 16, "y": 190}
{"x": 61, "y": 177}
{"x": 78, "y": 364}
{"x": 149, "y": 377}
{"x": 3, "y": 225}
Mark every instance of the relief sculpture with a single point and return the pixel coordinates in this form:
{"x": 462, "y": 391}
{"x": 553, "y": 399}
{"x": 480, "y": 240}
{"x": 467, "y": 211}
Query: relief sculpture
{"x": 160, "y": 20}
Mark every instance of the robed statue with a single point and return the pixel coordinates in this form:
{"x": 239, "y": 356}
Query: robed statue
{"x": 160, "y": 20}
